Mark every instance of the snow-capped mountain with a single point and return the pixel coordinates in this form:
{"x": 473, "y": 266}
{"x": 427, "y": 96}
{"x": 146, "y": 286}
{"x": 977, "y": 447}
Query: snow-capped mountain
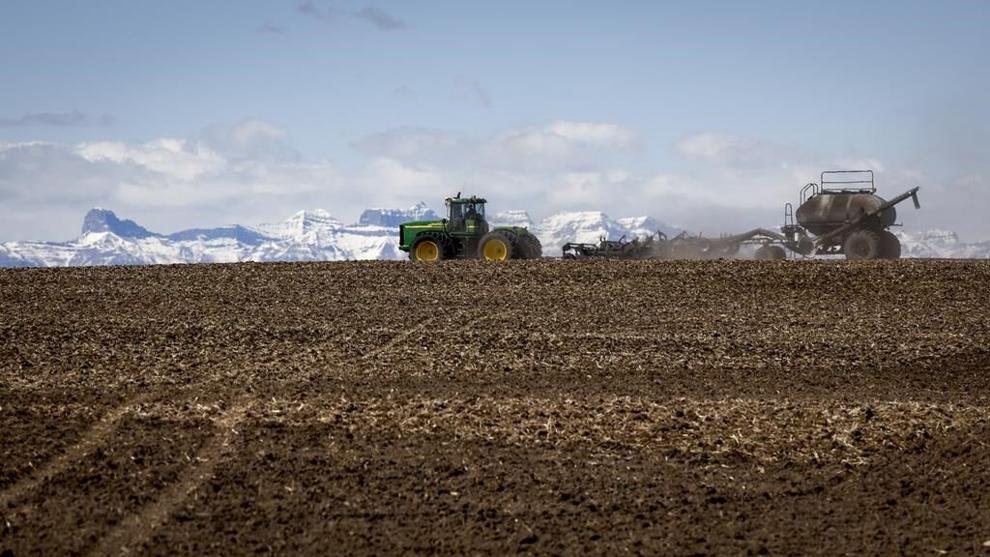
{"x": 511, "y": 218}
{"x": 940, "y": 243}
{"x": 589, "y": 226}
{"x": 392, "y": 218}
{"x": 315, "y": 235}
{"x": 305, "y": 236}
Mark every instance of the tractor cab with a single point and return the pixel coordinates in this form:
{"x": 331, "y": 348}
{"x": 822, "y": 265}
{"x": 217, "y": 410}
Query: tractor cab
{"x": 466, "y": 216}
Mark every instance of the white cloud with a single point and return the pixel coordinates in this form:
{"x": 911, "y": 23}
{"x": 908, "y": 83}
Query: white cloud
{"x": 250, "y": 139}
{"x": 556, "y": 145}
{"x": 173, "y": 158}
{"x": 707, "y": 146}
{"x": 390, "y": 182}
{"x": 611, "y": 136}
{"x": 242, "y": 172}
{"x": 573, "y": 145}
{"x": 247, "y": 173}
{"x": 739, "y": 155}
{"x": 420, "y": 145}
{"x": 529, "y": 146}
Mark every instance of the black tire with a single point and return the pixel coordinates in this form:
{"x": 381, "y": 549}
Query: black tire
{"x": 498, "y": 245}
{"x": 442, "y": 246}
{"x": 804, "y": 246}
{"x": 890, "y": 246}
{"x": 530, "y": 245}
{"x": 863, "y": 244}
{"x": 770, "y": 253}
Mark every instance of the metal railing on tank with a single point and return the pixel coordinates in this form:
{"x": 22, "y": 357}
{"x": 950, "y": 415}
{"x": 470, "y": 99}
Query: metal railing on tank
{"x": 847, "y": 177}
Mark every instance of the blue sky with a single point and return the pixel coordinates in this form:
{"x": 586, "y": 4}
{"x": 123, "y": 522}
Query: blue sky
{"x": 701, "y": 113}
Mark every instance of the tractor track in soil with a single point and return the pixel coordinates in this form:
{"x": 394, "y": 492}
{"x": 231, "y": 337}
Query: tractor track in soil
{"x": 132, "y": 532}
{"x": 683, "y": 408}
{"x": 88, "y": 442}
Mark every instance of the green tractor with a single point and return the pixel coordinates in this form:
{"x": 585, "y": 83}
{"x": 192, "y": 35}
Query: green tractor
{"x": 465, "y": 234}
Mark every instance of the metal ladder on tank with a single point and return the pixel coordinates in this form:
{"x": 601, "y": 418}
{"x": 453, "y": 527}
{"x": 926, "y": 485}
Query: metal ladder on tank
{"x": 809, "y": 187}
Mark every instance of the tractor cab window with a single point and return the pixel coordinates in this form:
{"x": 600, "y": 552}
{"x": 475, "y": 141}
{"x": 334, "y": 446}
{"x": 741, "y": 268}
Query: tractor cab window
{"x": 456, "y": 212}
{"x": 474, "y": 211}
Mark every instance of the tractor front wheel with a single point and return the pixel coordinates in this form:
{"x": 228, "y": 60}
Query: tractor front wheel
{"x": 496, "y": 246}
{"x": 428, "y": 248}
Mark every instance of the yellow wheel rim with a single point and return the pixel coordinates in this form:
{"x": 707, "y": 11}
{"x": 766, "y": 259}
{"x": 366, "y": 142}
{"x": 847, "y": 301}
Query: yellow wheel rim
{"x": 495, "y": 250}
{"x": 427, "y": 251}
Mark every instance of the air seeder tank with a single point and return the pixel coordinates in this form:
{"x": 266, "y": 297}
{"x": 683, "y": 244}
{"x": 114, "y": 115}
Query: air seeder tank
{"x": 846, "y": 216}
{"x": 827, "y": 210}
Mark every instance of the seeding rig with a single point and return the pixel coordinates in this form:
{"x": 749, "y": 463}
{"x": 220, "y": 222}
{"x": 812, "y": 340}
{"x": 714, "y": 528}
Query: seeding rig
{"x": 839, "y": 215}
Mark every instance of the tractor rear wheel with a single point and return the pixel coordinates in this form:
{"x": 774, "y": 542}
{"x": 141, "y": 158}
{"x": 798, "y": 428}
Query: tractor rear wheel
{"x": 430, "y": 247}
{"x": 530, "y": 247}
{"x": 890, "y": 246}
{"x": 863, "y": 244}
{"x": 497, "y": 245}
{"x": 770, "y": 253}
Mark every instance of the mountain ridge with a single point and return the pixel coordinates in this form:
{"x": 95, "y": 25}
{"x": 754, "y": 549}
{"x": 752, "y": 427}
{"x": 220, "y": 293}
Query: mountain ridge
{"x": 315, "y": 235}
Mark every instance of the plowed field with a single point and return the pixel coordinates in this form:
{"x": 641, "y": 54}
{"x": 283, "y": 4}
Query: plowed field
{"x": 554, "y": 407}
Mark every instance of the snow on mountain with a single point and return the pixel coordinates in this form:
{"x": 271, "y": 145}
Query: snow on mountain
{"x": 305, "y": 236}
{"x": 590, "y": 226}
{"x": 392, "y": 218}
{"x": 511, "y": 218}
{"x": 585, "y": 226}
{"x": 302, "y": 225}
{"x": 646, "y": 226}
{"x": 11, "y": 259}
{"x": 235, "y": 232}
{"x": 316, "y": 236}
{"x": 940, "y": 243}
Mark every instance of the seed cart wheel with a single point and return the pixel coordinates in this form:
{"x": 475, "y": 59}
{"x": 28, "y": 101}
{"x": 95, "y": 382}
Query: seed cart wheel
{"x": 890, "y": 246}
{"x": 770, "y": 253}
{"x": 863, "y": 244}
{"x": 805, "y": 246}
{"x": 496, "y": 246}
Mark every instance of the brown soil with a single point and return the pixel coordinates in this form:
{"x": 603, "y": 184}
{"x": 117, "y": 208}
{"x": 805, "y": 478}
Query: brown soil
{"x": 684, "y": 408}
